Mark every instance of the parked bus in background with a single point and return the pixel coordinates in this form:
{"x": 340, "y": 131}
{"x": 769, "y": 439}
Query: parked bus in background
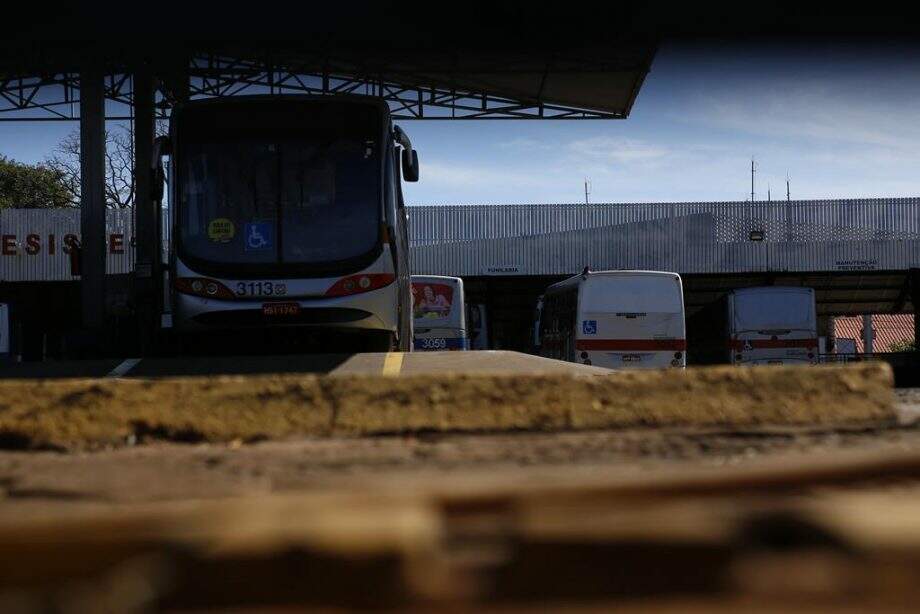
{"x": 286, "y": 214}
{"x": 439, "y": 313}
{"x": 772, "y": 325}
{"x": 477, "y": 322}
{"x": 616, "y": 319}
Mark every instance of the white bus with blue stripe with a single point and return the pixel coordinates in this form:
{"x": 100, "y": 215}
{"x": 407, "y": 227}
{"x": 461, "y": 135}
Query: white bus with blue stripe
{"x": 439, "y": 313}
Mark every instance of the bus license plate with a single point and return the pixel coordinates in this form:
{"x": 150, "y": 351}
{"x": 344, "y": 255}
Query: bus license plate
{"x": 280, "y": 309}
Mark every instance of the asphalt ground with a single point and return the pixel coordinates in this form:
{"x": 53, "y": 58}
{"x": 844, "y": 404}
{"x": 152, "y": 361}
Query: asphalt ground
{"x": 393, "y": 363}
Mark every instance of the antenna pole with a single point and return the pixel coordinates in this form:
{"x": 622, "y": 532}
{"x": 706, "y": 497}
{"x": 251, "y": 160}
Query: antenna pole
{"x": 787, "y": 188}
{"x": 752, "y": 179}
{"x": 586, "y": 190}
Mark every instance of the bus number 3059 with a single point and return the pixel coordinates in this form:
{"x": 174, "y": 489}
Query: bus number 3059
{"x": 260, "y": 288}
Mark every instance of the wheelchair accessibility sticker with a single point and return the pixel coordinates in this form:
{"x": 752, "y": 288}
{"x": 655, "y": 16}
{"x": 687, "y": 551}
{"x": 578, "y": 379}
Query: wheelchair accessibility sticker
{"x": 589, "y": 327}
{"x": 259, "y": 236}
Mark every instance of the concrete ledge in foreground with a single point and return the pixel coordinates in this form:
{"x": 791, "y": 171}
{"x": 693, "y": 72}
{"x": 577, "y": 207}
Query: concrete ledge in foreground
{"x": 90, "y": 413}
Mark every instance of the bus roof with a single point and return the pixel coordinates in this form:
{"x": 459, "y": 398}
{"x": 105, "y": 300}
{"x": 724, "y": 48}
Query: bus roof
{"x": 577, "y": 280}
{"x": 249, "y": 100}
{"x": 440, "y": 278}
{"x": 774, "y": 290}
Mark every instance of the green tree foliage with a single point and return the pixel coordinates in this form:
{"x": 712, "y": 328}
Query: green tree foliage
{"x": 24, "y": 186}
{"x": 905, "y": 345}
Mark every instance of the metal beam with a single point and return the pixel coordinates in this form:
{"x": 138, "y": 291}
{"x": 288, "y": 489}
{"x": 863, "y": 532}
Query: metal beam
{"x": 52, "y": 98}
{"x": 146, "y": 218}
{"x": 92, "y": 191}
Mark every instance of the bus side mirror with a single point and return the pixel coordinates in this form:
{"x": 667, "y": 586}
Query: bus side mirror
{"x": 410, "y": 165}
{"x": 161, "y": 147}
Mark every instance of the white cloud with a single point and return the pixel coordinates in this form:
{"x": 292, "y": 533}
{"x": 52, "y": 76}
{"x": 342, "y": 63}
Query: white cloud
{"x": 797, "y": 110}
{"x": 615, "y": 150}
{"x": 453, "y": 175}
{"x": 525, "y": 144}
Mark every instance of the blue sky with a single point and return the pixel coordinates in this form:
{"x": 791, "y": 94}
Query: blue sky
{"x": 843, "y": 122}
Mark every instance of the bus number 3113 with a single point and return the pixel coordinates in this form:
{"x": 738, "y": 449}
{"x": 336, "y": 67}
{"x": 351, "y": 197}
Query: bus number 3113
{"x": 260, "y": 288}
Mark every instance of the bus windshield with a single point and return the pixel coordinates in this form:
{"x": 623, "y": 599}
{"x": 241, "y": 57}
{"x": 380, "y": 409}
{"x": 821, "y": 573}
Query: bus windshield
{"x": 279, "y": 183}
{"x": 781, "y": 309}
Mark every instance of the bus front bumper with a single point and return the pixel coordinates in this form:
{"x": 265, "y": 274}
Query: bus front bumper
{"x": 375, "y": 310}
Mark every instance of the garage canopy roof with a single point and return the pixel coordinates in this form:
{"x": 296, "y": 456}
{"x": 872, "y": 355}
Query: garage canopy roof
{"x": 502, "y": 56}
{"x": 473, "y": 57}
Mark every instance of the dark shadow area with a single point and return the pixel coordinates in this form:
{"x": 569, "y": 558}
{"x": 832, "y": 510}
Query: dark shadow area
{"x": 178, "y": 366}
{"x": 56, "y": 369}
{"x": 238, "y": 365}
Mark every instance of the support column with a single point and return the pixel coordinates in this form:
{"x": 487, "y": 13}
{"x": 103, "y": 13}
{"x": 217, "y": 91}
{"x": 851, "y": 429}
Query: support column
{"x": 92, "y": 195}
{"x": 868, "y": 334}
{"x": 175, "y": 71}
{"x": 915, "y": 301}
{"x": 147, "y": 293}
{"x": 826, "y": 332}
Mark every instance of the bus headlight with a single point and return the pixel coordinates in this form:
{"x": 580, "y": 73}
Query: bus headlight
{"x": 355, "y": 284}
{"x": 203, "y": 287}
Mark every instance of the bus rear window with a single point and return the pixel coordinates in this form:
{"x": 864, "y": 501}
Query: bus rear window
{"x": 432, "y": 301}
{"x": 632, "y": 294}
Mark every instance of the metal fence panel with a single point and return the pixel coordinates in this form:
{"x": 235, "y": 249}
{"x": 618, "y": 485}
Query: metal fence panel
{"x": 838, "y": 235}
{"x": 855, "y": 234}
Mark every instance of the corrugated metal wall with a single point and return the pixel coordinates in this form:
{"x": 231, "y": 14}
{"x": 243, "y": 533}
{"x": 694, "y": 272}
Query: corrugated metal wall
{"x": 832, "y": 235}
{"x": 827, "y": 235}
{"x": 43, "y": 258}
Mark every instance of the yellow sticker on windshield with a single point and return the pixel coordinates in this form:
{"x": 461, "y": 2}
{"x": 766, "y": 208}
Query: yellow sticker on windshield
{"x": 221, "y": 230}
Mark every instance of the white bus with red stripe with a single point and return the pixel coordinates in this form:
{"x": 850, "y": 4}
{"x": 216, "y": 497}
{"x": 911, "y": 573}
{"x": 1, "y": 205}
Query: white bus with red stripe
{"x": 287, "y": 213}
{"x": 772, "y": 325}
{"x": 616, "y": 319}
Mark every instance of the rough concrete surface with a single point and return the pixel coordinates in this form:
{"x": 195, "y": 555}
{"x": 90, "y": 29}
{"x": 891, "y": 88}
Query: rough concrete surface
{"x": 681, "y": 517}
{"x": 662, "y": 522}
{"x": 87, "y": 413}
